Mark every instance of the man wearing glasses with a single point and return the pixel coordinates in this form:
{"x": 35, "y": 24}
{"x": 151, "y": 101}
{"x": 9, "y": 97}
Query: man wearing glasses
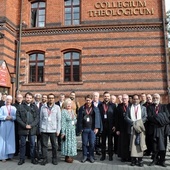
{"x": 50, "y": 126}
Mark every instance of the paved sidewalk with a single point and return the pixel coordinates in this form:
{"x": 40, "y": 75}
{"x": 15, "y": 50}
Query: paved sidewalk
{"x": 116, "y": 164}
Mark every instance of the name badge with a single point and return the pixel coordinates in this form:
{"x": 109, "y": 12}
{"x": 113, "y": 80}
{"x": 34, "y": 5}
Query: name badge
{"x": 105, "y": 116}
{"x": 49, "y": 119}
{"x": 88, "y": 119}
{"x": 72, "y": 122}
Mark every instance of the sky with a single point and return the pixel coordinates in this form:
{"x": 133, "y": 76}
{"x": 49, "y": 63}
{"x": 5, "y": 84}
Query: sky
{"x": 167, "y": 4}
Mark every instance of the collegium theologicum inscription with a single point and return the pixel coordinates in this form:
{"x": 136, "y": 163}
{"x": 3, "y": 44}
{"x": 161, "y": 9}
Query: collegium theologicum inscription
{"x": 127, "y": 8}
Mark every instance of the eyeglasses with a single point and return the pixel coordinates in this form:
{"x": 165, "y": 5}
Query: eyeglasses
{"x": 51, "y": 98}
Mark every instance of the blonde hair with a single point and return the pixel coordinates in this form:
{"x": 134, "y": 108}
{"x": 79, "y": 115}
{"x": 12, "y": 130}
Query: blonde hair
{"x": 64, "y": 105}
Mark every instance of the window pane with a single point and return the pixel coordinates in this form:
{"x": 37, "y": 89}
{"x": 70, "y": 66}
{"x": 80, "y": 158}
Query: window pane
{"x": 41, "y": 12}
{"x": 41, "y": 24}
{"x": 67, "y": 22}
{"x": 41, "y": 18}
{"x": 76, "y": 10}
{"x": 75, "y": 63}
{"x": 41, "y": 4}
{"x": 68, "y": 10}
{"x": 76, "y": 2}
{"x": 40, "y": 74}
{"x": 32, "y": 57}
{"x": 75, "y": 55}
{"x": 76, "y": 69}
{"x": 67, "y": 56}
{"x": 32, "y": 72}
{"x": 67, "y": 64}
{"x": 76, "y": 22}
{"x": 40, "y": 64}
{"x": 40, "y": 57}
{"x": 34, "y": 5}
{"x": 67, "y": 2}
{"x": 76, "y": 16}
{"x": 67, "y": 78}
{"x": 76, "y": 77}
{"x": 67, "y": 16}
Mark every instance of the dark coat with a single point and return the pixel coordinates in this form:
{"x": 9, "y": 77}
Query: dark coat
{"x": 96, "y": 116}
{"x": 122, "y": 126}
{"x": 153, "y": 118}
{"x": 111, "y": 112}
{"x": 23, "y": 119}
{"x": 158, "y": 124}
{"x": 2, "y": 103}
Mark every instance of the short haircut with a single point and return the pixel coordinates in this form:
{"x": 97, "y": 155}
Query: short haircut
{"x": 30, "y": 94}
{"x": 135, "y": 95}
{"x": 51, "y": 94}
{"x": 106, "y": 92}
{"x": 88, "y": 96}
{"x": 72, "y": 92}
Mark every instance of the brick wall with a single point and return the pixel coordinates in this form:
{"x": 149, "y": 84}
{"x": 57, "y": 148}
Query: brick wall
{"x": 119, "y": 54}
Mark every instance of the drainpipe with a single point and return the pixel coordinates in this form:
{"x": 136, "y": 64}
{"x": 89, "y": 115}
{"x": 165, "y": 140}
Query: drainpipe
{"x": 19, "y": 51}
{"x": 166, "y": 45}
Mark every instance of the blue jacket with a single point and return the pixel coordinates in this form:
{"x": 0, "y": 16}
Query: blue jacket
{"x": 82, "y": 112}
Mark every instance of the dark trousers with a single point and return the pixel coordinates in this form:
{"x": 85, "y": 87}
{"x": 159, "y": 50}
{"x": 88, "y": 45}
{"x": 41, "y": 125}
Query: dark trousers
{"x": 105, "y": 135}
{"x": 115, "y": 143}
{"x": 16, "y": 139}
{"x": 157, "y": 154}
{"x": 38, "y": 147}
{"x": 97, "y": 142}
{"x": 44, "y": 138}
{"x": 23, "y": 146}
{"x": 88, "y": 142}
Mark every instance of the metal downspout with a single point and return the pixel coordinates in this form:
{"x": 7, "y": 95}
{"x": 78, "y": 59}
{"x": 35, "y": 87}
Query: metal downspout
{"x": 166, "y": 45}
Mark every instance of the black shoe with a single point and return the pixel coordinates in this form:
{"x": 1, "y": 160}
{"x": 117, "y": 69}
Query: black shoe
{"x": 152, "y": 163}
{"x": 44, "y": 162}
{"x": 16, "y": 154}
{"x": 140, "y": 164}
{"x": 84, "y": 159}
{"x": 59, "y": 148}
{"x": 110, "y": 158}
{"x": 163, "y": 164}
{"x": 103, "y": 158}
{"x": 123, "y": 160}
{"x": 98, "y": 153}
{"x": 54, "y": 161}
{"x": 21, "y": 161}
{"x": 33, "y": 161}
{"x": 132, "y": 164}
{"x": 91, "y": 159}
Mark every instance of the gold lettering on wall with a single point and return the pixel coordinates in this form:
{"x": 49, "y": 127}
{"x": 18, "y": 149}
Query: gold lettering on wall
{"x": 127, "y": 8}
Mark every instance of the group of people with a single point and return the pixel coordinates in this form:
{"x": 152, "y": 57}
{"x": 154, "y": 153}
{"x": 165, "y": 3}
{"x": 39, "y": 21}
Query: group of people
{"x": 129, "y": 126}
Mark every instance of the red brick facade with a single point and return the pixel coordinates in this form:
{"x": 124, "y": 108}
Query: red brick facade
{"x": 122, "y": 46}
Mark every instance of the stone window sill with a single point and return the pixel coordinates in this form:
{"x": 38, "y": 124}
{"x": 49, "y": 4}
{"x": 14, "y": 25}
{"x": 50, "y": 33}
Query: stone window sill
{"x": 70, "y": 83}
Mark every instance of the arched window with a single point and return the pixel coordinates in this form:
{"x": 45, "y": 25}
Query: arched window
{"x": 72, "y": 66}
{"x": 72, "y": 12}
{"x": 36, "y": 67}
{"x": 38, "y": 14}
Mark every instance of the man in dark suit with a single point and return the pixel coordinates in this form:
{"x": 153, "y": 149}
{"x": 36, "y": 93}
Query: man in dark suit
{"x": 3, "y": 99}
{"x": 28, "y": 118}
{"x": 107, "y": 112}
{"x": 158, "y": 121}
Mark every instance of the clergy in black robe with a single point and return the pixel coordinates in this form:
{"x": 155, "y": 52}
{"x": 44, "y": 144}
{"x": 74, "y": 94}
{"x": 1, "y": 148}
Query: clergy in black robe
{"x": 158, "y": 120}
{"x": 122, "y": 129}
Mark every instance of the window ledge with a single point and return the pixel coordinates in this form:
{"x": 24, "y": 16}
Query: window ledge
{"x": 34, "y": 84}
{"x": 70, "y": 83}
